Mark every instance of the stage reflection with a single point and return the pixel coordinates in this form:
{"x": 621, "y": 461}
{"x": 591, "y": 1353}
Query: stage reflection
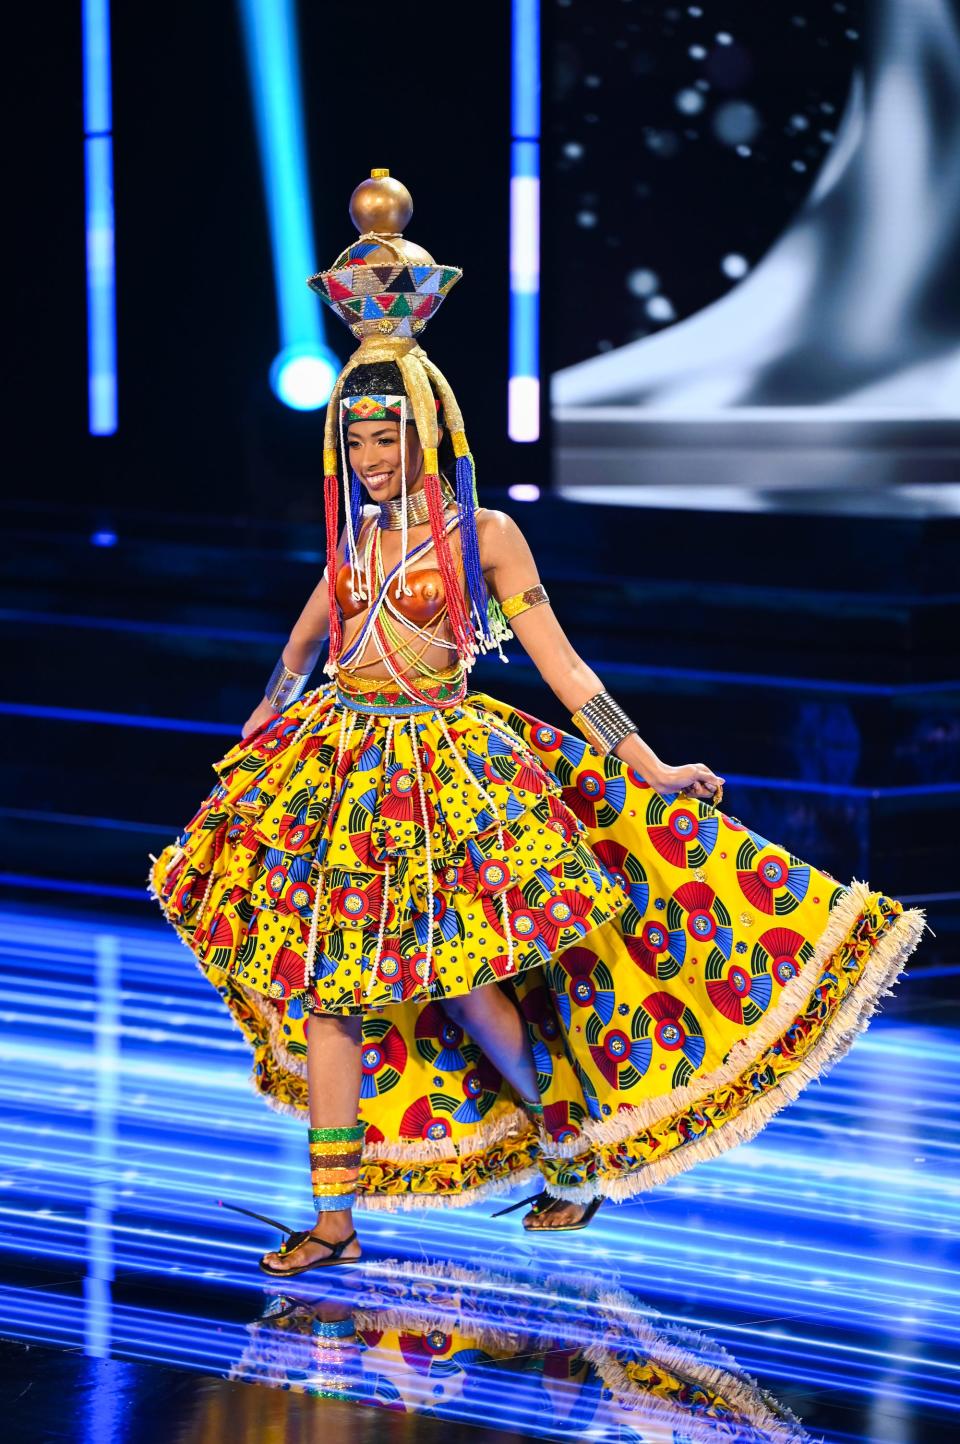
{"x": 551, "y": 1357}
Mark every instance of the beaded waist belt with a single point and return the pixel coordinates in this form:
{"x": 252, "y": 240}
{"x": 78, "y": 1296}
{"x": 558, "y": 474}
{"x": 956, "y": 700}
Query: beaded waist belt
{"x": 383, "y": 694}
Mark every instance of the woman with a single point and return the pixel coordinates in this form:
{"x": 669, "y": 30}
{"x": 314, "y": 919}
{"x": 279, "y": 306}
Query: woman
{"x": 510, "y": 951}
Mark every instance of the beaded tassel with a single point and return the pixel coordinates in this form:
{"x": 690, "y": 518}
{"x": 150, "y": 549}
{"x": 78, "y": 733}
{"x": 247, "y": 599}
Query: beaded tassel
{"x": 470, "y": 546}
{"x": 330, "y": 500}
{"x": 335, "y": 1155}
{"x": 347, "y": 473}
{"x": 460, "y": 623}
{"x": 490, "y": 624}
{"x": 356, "y": 513}
{"x": 402, "y": 574}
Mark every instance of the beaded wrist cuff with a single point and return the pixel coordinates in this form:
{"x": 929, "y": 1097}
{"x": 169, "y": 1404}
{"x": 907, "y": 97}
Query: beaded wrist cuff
{"x": 284, "y": 686}
{"x": 522, "y": 601}
{"x": 603, "y": 722}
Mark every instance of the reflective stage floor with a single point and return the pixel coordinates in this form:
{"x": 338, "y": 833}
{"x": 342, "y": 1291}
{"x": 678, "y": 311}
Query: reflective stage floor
{"x": 801, "y": 1287}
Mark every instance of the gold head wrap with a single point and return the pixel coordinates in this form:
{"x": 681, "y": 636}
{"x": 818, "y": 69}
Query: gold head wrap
{"x": 386, "y": 288}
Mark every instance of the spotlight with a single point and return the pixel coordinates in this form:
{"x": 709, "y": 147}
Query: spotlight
{"x": 302, "y": 376}
{"x": 304, "y": 371}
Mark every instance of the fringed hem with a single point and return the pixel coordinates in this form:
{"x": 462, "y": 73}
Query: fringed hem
{"x": 267, "y": 1016}
{"x": 475, "y": 1297}
{"x": 692, "y": 1358}
{"x": 702, "y": 1423}
{"x": 851, "y": 1018}
{"x": 277, "y": 1105}
{"x": 486, "y": 1337}
{"x": 602, "y": 1132}
{"x": 685, "y": 1354}
{"x": 403, "y": 1202}
{"x": 426, "y": 1150}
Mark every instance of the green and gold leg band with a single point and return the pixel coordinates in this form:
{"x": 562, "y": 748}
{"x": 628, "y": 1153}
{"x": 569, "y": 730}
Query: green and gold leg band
{"x": 534, "y": 1112}
{"x": 335, "y": 1155}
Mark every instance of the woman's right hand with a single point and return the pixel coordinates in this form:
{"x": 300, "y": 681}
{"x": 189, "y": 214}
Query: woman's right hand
{"x": 258, "y": 716}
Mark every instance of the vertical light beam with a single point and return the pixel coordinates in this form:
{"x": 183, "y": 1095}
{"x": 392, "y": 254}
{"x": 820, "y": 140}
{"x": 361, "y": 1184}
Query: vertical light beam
{"x": 97, "y": 1285}
{"x": 98, "y": 185}
{"x": 523, "y": 396}
{"x": 304, "y": 370}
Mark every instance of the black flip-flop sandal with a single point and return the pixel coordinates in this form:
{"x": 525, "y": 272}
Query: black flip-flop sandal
{"x": 294, "y": 1238}
{"x": 543, "y": 1202}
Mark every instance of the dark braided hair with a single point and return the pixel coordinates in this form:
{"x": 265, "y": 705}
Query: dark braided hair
{"x": 384, "y": 378}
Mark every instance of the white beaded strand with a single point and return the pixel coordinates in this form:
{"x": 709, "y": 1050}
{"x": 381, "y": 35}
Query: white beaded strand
{"x": 404, "y": 521}
{"x": 309, "y": 961}
{"x": 365, "y": 734}
{"x": 346, "y": 732}
{"x": 301, "y": 730}
{"x": 507, "y": 930}
{"x": 487, "y": 798}
{"x": 484, "y": 794}
{"x": 310, "y": 958}
{"x": 381, "y": 931}
{"x": 205, "y": 899}
{"x": 388, "y": 741}
{"x": 388, "y": 738}
{"x": 358, "y": 592}
{"x": 426, "y": 832}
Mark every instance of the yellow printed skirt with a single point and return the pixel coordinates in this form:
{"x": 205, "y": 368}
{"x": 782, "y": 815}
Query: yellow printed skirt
{"x": 680, "y": 976}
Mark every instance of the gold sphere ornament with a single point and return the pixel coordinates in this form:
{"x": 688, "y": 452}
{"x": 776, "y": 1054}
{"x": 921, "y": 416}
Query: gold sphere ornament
{"x": 381, "y": 205}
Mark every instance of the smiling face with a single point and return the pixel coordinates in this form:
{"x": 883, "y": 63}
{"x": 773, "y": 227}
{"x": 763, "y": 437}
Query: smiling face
{"x": 373, "y": 449}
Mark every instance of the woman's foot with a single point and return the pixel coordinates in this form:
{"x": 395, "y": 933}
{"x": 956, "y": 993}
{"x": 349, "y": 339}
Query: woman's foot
{"x": 335, "y": 1226}
{"x": 558, "y": 1213}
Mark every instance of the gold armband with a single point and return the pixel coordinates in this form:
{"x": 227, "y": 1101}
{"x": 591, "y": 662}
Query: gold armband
{"x": 523, "y": 601}
{"x": 603, "y": 722}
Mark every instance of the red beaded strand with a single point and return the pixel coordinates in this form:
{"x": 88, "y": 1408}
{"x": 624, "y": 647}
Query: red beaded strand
{"x": 460, "y": 624}
{"x": 331, "y": 496}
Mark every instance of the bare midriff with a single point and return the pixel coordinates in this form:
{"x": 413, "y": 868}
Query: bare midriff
{"x": 421, "y": 610}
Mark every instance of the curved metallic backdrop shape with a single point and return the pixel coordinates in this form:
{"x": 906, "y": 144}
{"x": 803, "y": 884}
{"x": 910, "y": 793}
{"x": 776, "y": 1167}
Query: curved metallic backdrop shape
{"x": 857, "y": 305}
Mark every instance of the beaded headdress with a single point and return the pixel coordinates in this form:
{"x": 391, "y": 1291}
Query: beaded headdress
{"x": 386, "y": 288}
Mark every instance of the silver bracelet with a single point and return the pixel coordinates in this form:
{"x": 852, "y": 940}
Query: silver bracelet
{"x": 603, "y": 722}
{"x": 284, "y": 686}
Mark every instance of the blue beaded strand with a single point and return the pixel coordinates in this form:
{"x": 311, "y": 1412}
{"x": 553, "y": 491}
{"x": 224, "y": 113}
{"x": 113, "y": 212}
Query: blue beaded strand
{"x": 356, "y": 501}
{"x": 470, "y": 545}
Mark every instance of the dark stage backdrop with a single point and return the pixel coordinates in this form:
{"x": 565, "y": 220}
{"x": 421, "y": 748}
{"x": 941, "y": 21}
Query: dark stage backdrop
{"x": 680, "y": 136}
{"x": 199, "y": 428}
{"x": 754, "y": 206}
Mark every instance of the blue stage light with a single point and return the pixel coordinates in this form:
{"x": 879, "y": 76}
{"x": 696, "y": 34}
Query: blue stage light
{"x": 303, "y": 372}
{"x": 523, "y": 396}
{"x": 103, "y": 539}
{"x": 98, "y": 172}
{"x": 302, "y": 377}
